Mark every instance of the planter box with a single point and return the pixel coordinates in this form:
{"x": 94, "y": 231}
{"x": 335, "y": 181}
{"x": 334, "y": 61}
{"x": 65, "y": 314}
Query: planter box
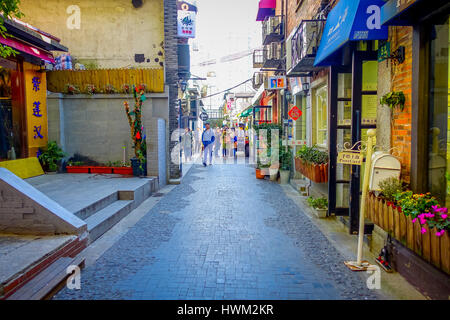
{"x": 77, "y": 169}
{"x": 433, "y": 249}
{"x": 315, "y": 172}
{"x": 101, "y": 169}
{"x": 259, "y": 174}
{"x": 123, "y": 170}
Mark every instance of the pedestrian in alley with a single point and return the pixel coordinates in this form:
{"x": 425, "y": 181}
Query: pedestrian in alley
{"x": 208, "y": 139}
{"x": 187, "y": 144}
{"x": 217, "y": 143}
{"x": 235, "y": 138}
{"x": 224, "y": 142}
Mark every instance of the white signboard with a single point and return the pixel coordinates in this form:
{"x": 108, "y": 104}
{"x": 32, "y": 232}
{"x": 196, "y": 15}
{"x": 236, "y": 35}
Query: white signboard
{"x": 186, "y": 23}
{"x": 276, "y": 82}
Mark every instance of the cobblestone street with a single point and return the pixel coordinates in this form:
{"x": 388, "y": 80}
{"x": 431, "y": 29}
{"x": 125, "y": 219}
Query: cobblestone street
{"x": 221, "y": 234}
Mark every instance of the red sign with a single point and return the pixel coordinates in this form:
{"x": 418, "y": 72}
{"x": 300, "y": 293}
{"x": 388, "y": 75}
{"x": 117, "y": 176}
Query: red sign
{"x": 295, "y": 113}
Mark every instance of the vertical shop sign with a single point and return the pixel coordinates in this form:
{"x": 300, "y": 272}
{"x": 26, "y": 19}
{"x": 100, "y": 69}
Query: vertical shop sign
{"x": 36, "y": 100}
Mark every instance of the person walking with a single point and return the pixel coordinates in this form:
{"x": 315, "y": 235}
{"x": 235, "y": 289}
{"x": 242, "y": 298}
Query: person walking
{"x": 208, "y": 143}
{"x": 217, "y": 143}
{"x": 224, "y": 142}
{"x": 187, "y": 144}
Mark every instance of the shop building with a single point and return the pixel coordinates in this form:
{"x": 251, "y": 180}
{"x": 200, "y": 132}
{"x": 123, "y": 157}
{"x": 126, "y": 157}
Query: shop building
{"x": 23, "y": 96}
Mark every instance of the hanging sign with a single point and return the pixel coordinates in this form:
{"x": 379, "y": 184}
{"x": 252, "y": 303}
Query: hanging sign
{"x": 295, "y": 113}
{"x": 277, "y": 82}
{"x": 187, "y": 14}
{"x": 204, "y": 116}
{"x": 354, "y": 158}
{"x": 384, "y": 51}
{"x": 36, "y": 98}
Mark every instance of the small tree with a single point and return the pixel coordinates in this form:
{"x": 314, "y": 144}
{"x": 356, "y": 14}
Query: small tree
{"x": 9, "y": 9}
{"x": 136, "y": 123}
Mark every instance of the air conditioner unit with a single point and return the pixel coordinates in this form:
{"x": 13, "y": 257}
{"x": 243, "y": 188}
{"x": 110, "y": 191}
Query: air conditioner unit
{"x": 309, "y": 38}
{"x": 274, "y": 51}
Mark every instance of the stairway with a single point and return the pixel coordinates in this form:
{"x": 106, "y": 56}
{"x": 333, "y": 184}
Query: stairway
{"x": 105, "y": 212}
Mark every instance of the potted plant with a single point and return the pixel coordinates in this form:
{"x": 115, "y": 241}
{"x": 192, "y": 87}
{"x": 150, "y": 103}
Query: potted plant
{"x": 312, "y": 163}
{"x": 138, "y": 163}
{"x": 286, "y": 163}
{"x": 51, "y": 156}
{"x": 119, "y": 167}
{"x": 320, "y": 204}
{"x": 71, "y": 89}
{"x": 273, "y": 171}
{"x": 109, "y": 88}
{"x": 394, "y": 99}
{"x": 101, "y": 169}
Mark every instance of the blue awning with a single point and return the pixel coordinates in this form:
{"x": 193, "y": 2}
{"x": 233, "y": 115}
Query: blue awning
{"x": 350, "y": 20}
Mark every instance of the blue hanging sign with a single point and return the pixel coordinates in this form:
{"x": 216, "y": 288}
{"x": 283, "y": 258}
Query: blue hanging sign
{"x": 350, "y": 20}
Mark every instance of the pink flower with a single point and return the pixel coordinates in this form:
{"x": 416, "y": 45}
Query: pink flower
{"x": 435, "y": 208}
{"x": 423, "y": 230}
{"x": 444, "y": 216}
{"x": 422, "y": 221}
{"x": 414, "y": 220}
{"x": 440, "y": 233}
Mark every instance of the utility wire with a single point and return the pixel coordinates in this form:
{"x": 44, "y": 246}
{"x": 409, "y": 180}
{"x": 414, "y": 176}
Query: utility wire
{"x": 217, "y": 93}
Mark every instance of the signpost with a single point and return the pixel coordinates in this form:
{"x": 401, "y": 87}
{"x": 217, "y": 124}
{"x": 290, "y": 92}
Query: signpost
{"x": 204, "y": 116}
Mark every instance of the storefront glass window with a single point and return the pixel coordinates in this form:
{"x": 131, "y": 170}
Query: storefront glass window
{"x": 320, "y": 101}
{"x": 11, "y": 111}
{"x": 439, "y": 133}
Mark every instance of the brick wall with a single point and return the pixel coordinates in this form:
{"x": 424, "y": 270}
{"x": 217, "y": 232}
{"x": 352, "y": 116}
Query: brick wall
{"x": 296, "y": 13}
{"x": 25, "y": 210}
{"x": 401, "y": 80}
{"x": 171, "y": 76}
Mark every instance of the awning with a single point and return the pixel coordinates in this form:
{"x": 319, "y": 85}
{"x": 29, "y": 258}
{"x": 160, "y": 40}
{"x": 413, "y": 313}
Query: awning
{"x": 28, "y": 49}
{"x": 266, "y": 8}
{"x": 406, "y": 13}
{"x": 350, "y": 20}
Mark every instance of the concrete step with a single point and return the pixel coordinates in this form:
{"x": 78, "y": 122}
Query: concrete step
{"x": 49, "y": 281}
{"x": 96, "y": 206}
{"x": 105, "y": 219}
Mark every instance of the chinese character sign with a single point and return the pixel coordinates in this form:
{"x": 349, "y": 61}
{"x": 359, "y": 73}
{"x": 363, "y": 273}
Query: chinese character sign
{"x": 36, "y": 100}
{"x": 186, "y": 24}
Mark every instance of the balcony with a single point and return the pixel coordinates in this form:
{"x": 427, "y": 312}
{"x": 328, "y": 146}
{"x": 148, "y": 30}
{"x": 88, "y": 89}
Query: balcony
{"x": 304, "y": 45}
{"x": 272, "y": 29}
{"x": 273, "y": 56}
{"x": 258, "y": 80}
{"x": 258, "y": 58}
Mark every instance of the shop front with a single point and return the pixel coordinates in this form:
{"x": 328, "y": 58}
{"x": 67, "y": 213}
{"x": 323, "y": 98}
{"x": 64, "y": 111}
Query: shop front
{"x": 345, "y": 105}
{"x": 23, "y": 98}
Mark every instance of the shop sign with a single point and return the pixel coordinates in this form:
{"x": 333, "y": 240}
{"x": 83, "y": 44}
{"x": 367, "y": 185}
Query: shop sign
{"x": 204, "y": 116}
{"x": 384, "y": 52}
{"x": 277, "y": 82}
{"x": 295, "y": 113}
{"x": 187, "y": 14}
{"x": 394, "y": 7}
{"x": 346, "y": 157}
{"x": 294, "y": 143}
{"x": 36, "y": 109}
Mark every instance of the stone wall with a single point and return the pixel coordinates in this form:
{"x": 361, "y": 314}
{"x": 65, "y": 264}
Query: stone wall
{"x": 171, "y": 76}
{"x": 96, "y": 126}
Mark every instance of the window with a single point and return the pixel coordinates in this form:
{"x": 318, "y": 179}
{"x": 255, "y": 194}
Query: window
{"x": 439, "y": 112}
{"x": 320, "y": 116}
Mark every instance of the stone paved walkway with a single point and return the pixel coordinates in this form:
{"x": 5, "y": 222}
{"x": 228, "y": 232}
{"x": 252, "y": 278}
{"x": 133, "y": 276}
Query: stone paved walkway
{"x": 221, "y": 234}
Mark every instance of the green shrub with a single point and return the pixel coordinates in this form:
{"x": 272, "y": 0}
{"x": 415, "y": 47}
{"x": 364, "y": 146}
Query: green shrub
{"x": 51, "y": 155}
{"x": 390, "y": 187}
{"x": 319, "y": 203}
{"x": 313, "y": 155}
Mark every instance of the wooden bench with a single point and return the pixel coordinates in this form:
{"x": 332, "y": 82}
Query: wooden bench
{"x": 47, "y": 283}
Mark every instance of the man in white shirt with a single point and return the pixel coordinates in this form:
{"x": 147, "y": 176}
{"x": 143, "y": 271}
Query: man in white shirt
{"x": 208, "y": 143}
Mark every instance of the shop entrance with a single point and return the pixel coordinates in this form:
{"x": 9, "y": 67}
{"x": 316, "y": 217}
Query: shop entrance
{"x": 12, "y": 114}
{"x": 353, "y": 105}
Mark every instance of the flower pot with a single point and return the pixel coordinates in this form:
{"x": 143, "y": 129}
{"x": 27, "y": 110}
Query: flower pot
{"x": 273, "y": 174}
{"x": 284, "y": 176}
{"x": 321, "y": 213}
{"x": 136, "y": 167}
{"x": 77, "y": 169}
{"x": 259, "y": 174}
{"x": 123, "y": 170}
{"x": 104, "y": 170}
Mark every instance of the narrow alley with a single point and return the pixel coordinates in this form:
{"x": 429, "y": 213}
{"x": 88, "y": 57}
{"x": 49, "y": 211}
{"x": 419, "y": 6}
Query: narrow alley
{"x": 221, "y": 235}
